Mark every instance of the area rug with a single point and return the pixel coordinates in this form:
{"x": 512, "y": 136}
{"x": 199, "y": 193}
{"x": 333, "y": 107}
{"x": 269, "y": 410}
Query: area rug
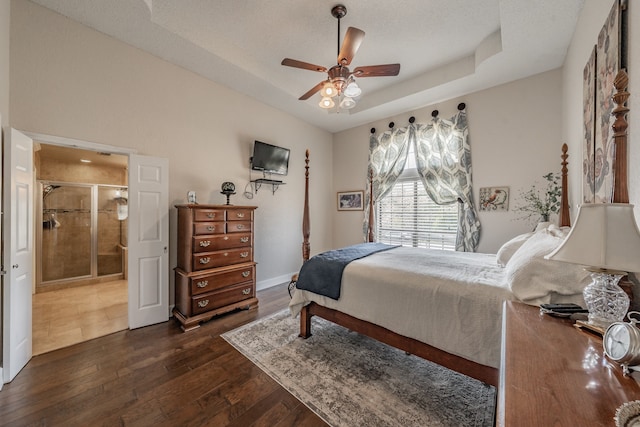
{"x": 351, "y": 380}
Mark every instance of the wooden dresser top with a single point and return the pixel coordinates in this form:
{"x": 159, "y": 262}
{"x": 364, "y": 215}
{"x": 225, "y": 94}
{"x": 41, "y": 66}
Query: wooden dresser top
{"x": 553, "y": 374}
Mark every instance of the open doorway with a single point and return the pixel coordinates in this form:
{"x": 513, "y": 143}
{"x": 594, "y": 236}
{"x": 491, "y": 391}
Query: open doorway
{"x": 81, "y": 289}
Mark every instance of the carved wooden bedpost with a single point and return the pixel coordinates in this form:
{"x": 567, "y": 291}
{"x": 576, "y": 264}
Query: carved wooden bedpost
{"x": 620, "y": 189}
{"x": 306, "y": 225}
{"x": 370, "y": 224}
{"x": 565, "y": 219}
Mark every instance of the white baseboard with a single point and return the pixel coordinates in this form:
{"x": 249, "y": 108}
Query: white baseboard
{"x": 264, "y": 284}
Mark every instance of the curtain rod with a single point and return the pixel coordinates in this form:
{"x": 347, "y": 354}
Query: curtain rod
{"x": 434, "y": 114}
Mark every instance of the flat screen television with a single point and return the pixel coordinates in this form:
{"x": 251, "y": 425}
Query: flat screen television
{"x": 270, "y": 158}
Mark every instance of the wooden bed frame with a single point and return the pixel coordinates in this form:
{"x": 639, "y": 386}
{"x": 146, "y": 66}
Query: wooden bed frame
{"x": 456, "y": 363}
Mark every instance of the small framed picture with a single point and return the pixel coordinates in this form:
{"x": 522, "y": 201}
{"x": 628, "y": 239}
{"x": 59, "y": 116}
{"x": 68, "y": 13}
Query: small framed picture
{"x": 494, "y": 199}
{"x": 350, "y": 200}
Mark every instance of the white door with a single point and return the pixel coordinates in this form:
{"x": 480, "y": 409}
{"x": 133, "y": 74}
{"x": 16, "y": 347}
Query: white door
{"x": 148, "y": 240}
{"x": 17, "y": 253}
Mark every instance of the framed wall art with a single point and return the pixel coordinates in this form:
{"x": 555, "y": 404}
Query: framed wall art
{"x": 588, "y": 152}
{"x": 350, "y": 200}
{"x": 610, "y": 57}
{"x": 494, "y": 198}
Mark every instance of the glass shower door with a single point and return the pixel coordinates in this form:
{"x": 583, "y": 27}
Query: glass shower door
{"x": 112, "y": 229}
{"x": 66, "y": 231}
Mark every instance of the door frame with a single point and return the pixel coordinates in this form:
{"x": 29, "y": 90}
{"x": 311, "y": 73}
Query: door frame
{"x": 133, "y": 285}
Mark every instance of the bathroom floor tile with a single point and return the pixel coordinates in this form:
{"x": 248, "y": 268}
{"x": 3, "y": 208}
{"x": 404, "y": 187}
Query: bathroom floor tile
{"x": 68, "y": 316}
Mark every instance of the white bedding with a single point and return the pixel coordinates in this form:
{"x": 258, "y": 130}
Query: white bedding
{"x": 450, "y": 300}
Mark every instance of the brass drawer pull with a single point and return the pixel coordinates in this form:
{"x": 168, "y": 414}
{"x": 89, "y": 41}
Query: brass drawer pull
{"x": 203, "y": 303}
{"x": 226, "y": 238}
{"x": 205, "y": 243}
{"x": 246, "y": 273}
{"x": 211, "y": 227}
{"x": 244, "y": 254}
{"x": 240, "y": 226}
{"x": 244, "y": 239}
{"x": 246, "y": 291}
{"x": 202, "y": 284}
{"x": 240, "y": 215}
{"x": 211, "y": 215}
{"x": 225, "y": 254}
{"x": 205, "y": 260}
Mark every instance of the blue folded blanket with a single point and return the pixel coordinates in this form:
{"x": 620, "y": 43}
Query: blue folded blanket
{"x": 322, "y": 274}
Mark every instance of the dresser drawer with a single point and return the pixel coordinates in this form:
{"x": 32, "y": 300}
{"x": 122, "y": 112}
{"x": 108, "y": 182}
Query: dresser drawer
{"x": 208, "y": 215}
{"x": 201, "y": 228}
{"x": 239, "y": 215}
{"x": 202, "y": 261}
{"x": 223, "y": 241}
{"x": 238, "y": 226}
{"x": 211, "y": 282}
{"x": 216, "y": 299}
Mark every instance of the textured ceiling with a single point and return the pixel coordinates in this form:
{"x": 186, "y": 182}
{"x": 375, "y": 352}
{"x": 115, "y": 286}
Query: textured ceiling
{"x": 446, "y": 48}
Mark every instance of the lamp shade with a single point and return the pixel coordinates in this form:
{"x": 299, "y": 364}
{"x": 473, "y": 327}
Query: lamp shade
{"x": 605, "y": 236}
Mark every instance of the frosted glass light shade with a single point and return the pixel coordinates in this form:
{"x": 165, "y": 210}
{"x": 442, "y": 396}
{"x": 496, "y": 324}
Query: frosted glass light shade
{"x": 347, "y": 103}
{"x": 327, "y": 102}
{"x": 328, "y": 90}
{"x": 352, "y": 90}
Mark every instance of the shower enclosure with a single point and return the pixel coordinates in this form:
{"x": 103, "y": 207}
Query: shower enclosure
{"x": 83, "y": 237}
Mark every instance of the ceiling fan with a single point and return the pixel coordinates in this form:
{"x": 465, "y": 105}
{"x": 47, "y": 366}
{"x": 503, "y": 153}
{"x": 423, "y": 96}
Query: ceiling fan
{"x": 340, "y": 80}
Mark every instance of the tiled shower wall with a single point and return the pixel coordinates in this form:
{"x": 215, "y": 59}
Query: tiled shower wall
{"x": 72, "y": 247}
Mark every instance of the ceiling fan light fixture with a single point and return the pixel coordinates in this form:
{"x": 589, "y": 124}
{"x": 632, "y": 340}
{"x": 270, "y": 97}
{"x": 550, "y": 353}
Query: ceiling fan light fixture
{"x": 328, "y": 90}
{"x": 352, "y": 90}
{"x": 347, "y": 103}
{"x": 340, "y": 82}
{"x": 326, "y": 102}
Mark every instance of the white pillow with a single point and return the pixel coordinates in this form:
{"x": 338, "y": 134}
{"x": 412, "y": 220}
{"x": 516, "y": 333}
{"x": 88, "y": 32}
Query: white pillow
{"x": 541, "y": 226}
{"x": 535, "y": 280}
{"x": 507, "y": 250}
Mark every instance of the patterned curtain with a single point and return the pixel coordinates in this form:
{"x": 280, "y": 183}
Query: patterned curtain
{"x": 443, "y": 160}
{"x": 387, "y": 157}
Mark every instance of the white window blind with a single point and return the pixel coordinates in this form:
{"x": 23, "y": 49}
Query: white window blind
{"x": 407, "y": 216}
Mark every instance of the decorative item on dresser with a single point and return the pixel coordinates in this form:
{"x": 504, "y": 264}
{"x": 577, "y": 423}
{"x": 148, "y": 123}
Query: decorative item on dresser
{"x": 216, "y": 271}
{"x": 228, "y": 189}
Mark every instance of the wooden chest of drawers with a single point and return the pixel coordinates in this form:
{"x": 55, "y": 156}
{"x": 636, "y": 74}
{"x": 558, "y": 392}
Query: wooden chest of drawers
{"x": 216, "y": 272}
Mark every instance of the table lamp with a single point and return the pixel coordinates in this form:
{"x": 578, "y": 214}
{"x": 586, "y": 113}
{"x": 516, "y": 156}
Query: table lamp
{"x": 606, "y": 240}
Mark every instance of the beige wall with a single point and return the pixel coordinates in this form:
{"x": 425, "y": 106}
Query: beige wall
{"x": 515, "y": 136}
{"x": 5, "y": 6}
{"x": 584, "y": 38}
{"x": 68, "y": 80}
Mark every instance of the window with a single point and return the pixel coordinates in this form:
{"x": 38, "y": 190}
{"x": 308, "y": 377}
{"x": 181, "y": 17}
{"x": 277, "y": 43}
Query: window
{"x": 407, "y": 216}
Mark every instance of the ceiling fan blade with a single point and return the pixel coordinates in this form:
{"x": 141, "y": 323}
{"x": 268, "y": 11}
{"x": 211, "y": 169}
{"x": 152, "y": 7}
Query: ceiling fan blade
{"x": 312, "y": 91}
{"x": 304, "y": 65}
{"x": 377, "y": 70}
{"x": 352, "y": 40}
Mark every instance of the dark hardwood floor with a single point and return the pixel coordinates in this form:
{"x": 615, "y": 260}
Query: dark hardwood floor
{"x": 157, "y": 376}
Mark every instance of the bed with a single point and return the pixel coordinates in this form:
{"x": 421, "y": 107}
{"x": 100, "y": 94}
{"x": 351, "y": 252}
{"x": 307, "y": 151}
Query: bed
{"x": 446, "y": 307}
